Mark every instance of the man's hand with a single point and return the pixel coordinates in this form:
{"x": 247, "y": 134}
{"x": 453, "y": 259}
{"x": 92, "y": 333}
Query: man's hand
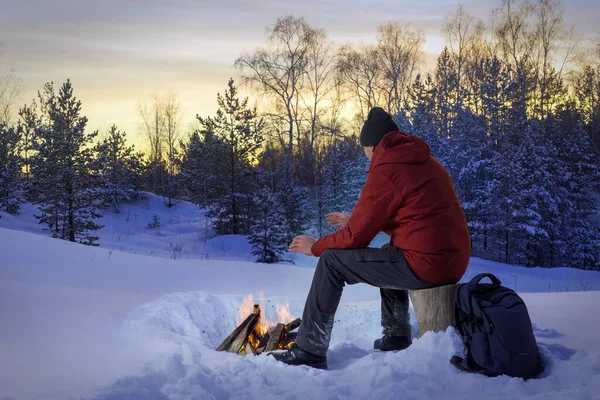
{"x": 337, "y": 219}
{"x": 302, "y": 244}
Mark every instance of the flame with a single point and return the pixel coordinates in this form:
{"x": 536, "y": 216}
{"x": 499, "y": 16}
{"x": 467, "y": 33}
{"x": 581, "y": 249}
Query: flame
{"x": 283, "y": 316}
{"x": 253, "y": 340}
{"x": 245, "y": 309}
{"x": 264, "y": 324}
{"x": 283, "y": 313}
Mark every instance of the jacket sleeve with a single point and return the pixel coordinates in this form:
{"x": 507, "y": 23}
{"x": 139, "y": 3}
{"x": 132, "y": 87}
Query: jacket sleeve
{"x": 378, "y": 202}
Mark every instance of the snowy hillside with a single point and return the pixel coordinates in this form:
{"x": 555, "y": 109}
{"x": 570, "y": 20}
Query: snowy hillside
{"x": 182, "y": 231}
{"x": 184, "y": 234}
{"x": 84, "y": 322}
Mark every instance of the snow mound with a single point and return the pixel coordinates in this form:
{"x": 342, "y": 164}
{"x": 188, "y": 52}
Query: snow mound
{"x": 193, "y": 324}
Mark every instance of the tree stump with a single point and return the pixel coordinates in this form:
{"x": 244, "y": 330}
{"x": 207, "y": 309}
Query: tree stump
{"x": 434, "y": 308}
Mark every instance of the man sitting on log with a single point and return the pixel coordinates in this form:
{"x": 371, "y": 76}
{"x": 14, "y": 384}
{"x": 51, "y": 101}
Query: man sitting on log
{"x": 410, "y": 196}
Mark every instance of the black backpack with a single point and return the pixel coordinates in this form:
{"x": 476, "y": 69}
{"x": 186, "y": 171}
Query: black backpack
{"x": 495, "y": 326}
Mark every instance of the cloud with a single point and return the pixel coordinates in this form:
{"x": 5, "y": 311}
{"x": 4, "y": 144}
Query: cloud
{"x": 118, "y": 51}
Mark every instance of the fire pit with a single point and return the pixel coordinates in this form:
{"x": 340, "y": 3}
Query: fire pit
{"x": 255, "y": 334}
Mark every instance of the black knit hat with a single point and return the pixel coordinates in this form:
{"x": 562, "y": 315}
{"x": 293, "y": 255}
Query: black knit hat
{"x": 377, "y": 125}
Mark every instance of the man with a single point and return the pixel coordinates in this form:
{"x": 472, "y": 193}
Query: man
{"x": 409, "y": 195}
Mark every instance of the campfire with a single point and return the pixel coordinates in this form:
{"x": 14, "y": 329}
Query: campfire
{"x": 256, "y": 334}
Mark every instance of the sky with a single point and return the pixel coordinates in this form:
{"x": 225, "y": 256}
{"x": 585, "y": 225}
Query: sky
{"x": 117, "y": 53}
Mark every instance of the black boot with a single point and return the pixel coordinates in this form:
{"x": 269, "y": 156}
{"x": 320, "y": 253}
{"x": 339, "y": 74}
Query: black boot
{"x": 297, "y": 356}
{"x": 391, "y": 343}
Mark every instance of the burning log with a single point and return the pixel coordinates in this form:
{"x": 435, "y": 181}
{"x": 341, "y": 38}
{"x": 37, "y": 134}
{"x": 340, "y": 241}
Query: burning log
{"x": 289, "y": 340}
{"x": 252, "y": 337}
{"x": 238, "y": 338}
{"x": 276, "y": 337}
{"x": 293, "y": 325}
{"x": 263, "y": 343}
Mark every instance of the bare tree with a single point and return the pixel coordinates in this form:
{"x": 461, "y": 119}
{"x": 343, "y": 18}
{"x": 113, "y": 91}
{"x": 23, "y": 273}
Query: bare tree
{"x": 360, "y": 71}
{"x": 513, "y": 31}
{"x": 381, "y": 75}
{"x": 152, "y": 117}
{"x": 11, "y": 88}
{"x": 318, "y": 95}
{"x": 278, "y": 69}
{"x": 530, "y": 38}
{"x": 331, "y": 123}
{"x": 552, "y": 38}
{"x": 517, "y": 42}
{"x": 172, "y": 115}
{"x": 463, "y": 32}
{"x": 400, "y": 52}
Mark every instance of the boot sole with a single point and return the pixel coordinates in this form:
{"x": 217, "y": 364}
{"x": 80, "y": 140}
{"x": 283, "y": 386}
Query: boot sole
{"x": 319, "y": 365}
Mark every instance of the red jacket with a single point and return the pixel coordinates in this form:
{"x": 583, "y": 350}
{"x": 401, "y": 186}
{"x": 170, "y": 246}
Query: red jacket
{"x": 410, "y": 196}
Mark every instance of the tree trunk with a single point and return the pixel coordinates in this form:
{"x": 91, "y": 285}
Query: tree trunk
{"x": 70, "y": 212}
{"x": 434, "y": 308}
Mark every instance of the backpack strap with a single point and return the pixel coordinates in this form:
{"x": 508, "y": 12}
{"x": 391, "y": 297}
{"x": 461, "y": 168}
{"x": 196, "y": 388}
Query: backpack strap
{"x": 475, "y": 281}
{"x": 463, "y": 364}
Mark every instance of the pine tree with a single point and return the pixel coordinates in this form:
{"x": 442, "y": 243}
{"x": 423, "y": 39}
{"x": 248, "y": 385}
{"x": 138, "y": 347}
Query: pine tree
{"x": 199, "y": 169}
{"x": 342, "y": 177}
{"x": 584, "y": 244}
{"x": 576, "y": 179}
{"x": 356, "y": 177}
{"x": 446, "y": 83}
{"x": 494, "y": 89}
{"x": 336, "y": 196}
{"x": 119, "y": 168}
{"x": 29, "y": 122}
{"x": 61, "y": 170}
{"x": 471, "y": 164}
{"x": 10, "y": 169}
{"x": 241, "y": 133}
{"x": 292, "y": 199}
{"x": 268, "y": 238}
{"x": 587, "y": 96}
{"x": 424, "y": 117}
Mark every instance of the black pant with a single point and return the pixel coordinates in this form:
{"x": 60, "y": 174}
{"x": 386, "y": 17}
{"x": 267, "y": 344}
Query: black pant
{"x": 385, "y": 268}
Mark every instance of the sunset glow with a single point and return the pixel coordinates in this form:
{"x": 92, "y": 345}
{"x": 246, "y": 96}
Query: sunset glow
{"x": 118, "y": 52}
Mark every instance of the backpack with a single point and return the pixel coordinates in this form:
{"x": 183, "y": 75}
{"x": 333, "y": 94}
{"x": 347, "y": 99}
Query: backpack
{"x": 495, "y": 327}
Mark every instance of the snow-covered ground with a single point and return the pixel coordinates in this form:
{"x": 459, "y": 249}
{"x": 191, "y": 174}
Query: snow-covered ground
{"x": 182, "y": 232}
{"x": 132, "y": 320}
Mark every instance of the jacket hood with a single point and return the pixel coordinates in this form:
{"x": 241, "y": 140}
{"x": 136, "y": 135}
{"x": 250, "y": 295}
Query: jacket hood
{"x": 399, "y": 148}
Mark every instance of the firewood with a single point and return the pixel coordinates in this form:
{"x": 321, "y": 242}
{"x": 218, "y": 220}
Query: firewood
{"x": 288, "y": 339}
{"x": 293, "y": 325}
{"x": 275, "y": 339}
{"x": 236, "y": 339}
{"x": 242, "y": 338}
{"x": 248, "y": 349}
{"x": 263, "y": 343}
{"x": 434, "y": 308}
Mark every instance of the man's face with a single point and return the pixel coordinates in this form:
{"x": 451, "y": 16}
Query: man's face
{"x": 369, "y": 152}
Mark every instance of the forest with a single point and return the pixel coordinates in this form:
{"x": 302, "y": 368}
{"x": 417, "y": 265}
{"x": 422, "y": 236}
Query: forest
{"x": 511, "y": 109}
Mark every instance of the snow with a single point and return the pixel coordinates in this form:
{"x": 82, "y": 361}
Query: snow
{"x": 182, "y": 225}
{"x": 127, "y": 321}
